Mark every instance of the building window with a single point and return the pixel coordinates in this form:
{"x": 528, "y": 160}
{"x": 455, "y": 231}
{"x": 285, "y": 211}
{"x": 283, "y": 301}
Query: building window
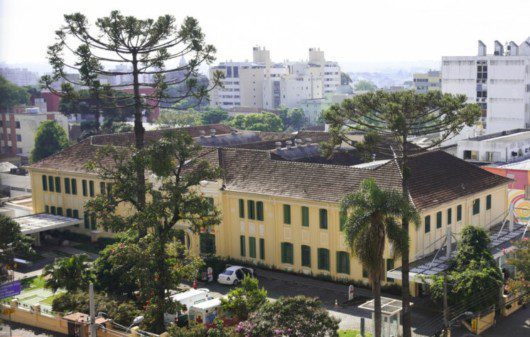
{"x": 305, "y": 216}
{"x": 44, "y": 183}
{"x": 252, "y": 247}
{"x": 17, "y": 124}
{"x": 241, "y": 208}
{"x": 488, "y": 201}
{"x": 58, "y": 184}
{"x": 46, "y": 209}
{"x": 259, "y": 210}
{"x": 91, "y": 187}
{"x": 343, "y": 262}
{"x": 50, "y": 184}
{"x": 427, "y": 224}
{"x": 103, "y": 189}
{"x": 389, "y": 266}
{"x": 84, "y": 186}
{"x": 306, "y": 256}
{"x": 323, "y": 258}
{"x": 73, "y": 183}
{"x": 86, "y": 220}
{"x": 287, "y": 252}
{"x": 242, "y": 246}
{"x": 52, "y": 210}
{"x": 262, "y": 249}
{"x": 476, "y": 206}
{"x": 323, "y": 215}
{"x": 69, "y": 212}
{"x": 251, "y": 207}
{"x": 207, "y": 243}
{"x": 19, "y": 138}
{"x": 459, "y": 213}
{"x": 449, "y": 216}
{"x": 75, "y": 214}
{"x": 93, "y": 221}
{"x": 439, "y": 219}
{"x": 67, "y": 185}
{"x": 287, "y": 214}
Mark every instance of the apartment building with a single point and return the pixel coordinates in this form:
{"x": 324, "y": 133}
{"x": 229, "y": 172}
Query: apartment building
{"x": 18, "y": 128}
{"x": 265, "y": 84}
{"x": 280, "y": 199}
{"x": 498, "y": 82}
{"x": 425, "y": 82}
{"x": 19, "y": 76}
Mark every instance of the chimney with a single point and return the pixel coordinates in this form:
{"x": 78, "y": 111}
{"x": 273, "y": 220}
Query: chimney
{"x": 481, "y": 48}
{"x": 288, "y": 144}
{"x": 203, "y": 133}
{"x": 212, "y": 132}
{"x": 513, "y": 49}
{"x": 278, "y": 145}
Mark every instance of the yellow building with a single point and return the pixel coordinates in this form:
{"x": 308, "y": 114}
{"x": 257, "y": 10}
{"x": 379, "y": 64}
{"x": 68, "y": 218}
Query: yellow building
{"x": 280, "y": 205}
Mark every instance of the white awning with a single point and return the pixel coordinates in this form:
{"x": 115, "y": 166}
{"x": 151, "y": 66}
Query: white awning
{"x": 36, "y": 223}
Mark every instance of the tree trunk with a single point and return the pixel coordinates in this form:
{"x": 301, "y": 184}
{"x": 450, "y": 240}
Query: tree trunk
{"x": 161, "y": 284}
{"x": 376, "y": 289}
{"x": 405, "y": 283}
{"x": 138, "y": 137}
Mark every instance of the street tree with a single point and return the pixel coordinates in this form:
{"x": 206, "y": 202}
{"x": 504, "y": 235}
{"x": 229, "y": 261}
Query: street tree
{"x": 175, "y": 119}
{"x": 71, "y": 273}
{"x": 145, "y": 48}
{"x": 173, "y": 204}
{"x": 12, "y": 243}
{"x": 293, "y": 118}
{"x": 50, "y": 138}
{"x": 265, "y": 121}
{"x": 372, "y": 219}
{"x": 397, "y": 117}
{"x": 213, "y": 115}
{"x": 245, "y": 299}
{"x": 11, "y": 95}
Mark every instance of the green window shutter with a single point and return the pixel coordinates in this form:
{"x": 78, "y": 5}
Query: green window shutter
{"x": 342, "y": 218}
{"x": 306, "y": 256}
{"x": 287, "y": 252}
{"x": 251, "y": 206}
{"x": 459, "y": 213}
{"x": 305, "y": 216}
{"x": 84, "y": 186}
{"x": 75, "y": 214}
{"x": 343, "y": 263}
{"x": 93, "y": 221}
{"x": 58, "y": 184}
{"x": 252, "y": 247}
{"x": 69, "y": 212}
{"x": 67, "y": 185}
{"x": 86, "y": 220}
{"x": 73, "y": 184}
{"x": 476, "y": 206}
{"x": 60, "y": 211}
{"x": 241, "y": 208}
{"x": 427, "y": 224}
{"x": 323, "y": 258}
{"x": 259, "y": 210}
{"x": 50, "y": 184}
{"x": 262, "y": 249}
{"x": 46, "y": 209}
{"x": 103, "y": 188}
{"x": 207, "y": 243}
{"x": 242, "y": 248}
{"x": 389, "y": 266}
{"x": 287, "y": 214}
{"x": 52, "y": 210}
{"x": 439, "y": 219}
{"x": 91, "y": 187}
{"x": 323, "y": 218}
{"x": 488, "y": 201}
{"x": 44, "y": 183}
{"x": 449, "y": 216}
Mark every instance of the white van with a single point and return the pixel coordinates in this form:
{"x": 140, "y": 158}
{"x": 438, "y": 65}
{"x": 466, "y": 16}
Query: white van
{"x": 205, "y": 312}
{"x": 188, "y": 299}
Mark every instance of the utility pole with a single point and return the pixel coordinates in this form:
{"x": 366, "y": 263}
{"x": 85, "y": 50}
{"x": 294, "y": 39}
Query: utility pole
{"x": 93, "y": 330}
{"x": 446, "y": 333}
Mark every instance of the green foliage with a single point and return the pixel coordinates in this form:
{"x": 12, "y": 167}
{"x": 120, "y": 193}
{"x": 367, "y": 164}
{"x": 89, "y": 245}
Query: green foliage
{"x": 71, "y": 273}
{"x": 292, "y": 118}
{"x": 49, "y": 139}
{"x": 345, "y": 79}
{"x": 473, "y": 247}
{"x": 11, "y": 94}
{"x": 122, "y": 312}
{"x": 245, "y": 299}
{"x": 364, "y": 85}
{"x": 12, "y": 243}
{"x": 297, "y": 316}
{"x": 213, "y": 115}
{"x": 175, "y": 118}
{"x": 521, "y": 258}
{"x": 369, "y": 146}
{"x": 265, "y": 121}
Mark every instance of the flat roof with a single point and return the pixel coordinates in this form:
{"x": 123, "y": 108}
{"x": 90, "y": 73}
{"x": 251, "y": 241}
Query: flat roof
{"x": 389, "y": 306}
{"x": 521, "y": 165}
{"x": 36, "y": 223}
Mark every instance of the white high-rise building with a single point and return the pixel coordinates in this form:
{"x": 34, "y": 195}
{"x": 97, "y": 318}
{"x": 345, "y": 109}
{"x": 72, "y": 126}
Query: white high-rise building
{"x": 19, "y": 76}
{"x": 267, "y": 85}
{"x": 498, "y": 82}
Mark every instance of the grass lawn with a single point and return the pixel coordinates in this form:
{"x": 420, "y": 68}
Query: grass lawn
{"x": 351, "y": 333}
{"x": 49, "y": 300}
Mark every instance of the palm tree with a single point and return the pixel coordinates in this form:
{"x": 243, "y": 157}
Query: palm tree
{"x": 372, "y": 215}
{"x": 71, "y": 273}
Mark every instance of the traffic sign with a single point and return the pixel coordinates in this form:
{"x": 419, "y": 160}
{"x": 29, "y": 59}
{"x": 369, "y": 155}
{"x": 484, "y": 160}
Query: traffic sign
{"x": 10, "y": 289}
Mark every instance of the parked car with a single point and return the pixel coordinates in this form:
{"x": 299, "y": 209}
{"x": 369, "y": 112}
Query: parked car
{"x": 233, "y": 275}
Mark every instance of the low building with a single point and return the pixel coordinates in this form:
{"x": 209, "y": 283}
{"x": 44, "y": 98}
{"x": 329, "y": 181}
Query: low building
{"x": 425, "y": 82}
{"x": 280, "y": 199}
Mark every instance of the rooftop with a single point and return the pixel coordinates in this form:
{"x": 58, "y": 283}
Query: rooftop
{"x": 36, "y": 223}
{"x": 504, "y": 136}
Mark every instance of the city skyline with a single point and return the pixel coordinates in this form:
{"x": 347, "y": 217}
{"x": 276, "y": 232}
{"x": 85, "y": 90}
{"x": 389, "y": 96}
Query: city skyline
{"x": 348, "y": 33}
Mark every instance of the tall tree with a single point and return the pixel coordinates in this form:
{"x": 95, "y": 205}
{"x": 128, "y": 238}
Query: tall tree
{"x": 11, "y": 95}
{"x": 160, "y": 260}
{"x": 372, "y": 219}
{"x": 49, "y": 139}
{"x": 398, "y": 117}
{"x": 12, "y": 242}
{"x": 265, "y": 121}
{"x": 213, "y": 115}
{"x": 71, "y": 273}
{"x": 146, "y": 48}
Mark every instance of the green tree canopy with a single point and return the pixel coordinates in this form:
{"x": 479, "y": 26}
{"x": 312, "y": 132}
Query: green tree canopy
{"x": 364, "y": 85}
{"x": 71, "y": 273}
{"x": 213, "y": 115}
{"x": 297, "y": 316}
{"x": 12, "y": 243}
{"x": 265, "y": 121}
{"x": 245, "y": 299}
{"x": 11, "y": 94}
{"x": 49, "y": 139}
{"x": 293, "y": 118}
{"x": 176, "y": 118}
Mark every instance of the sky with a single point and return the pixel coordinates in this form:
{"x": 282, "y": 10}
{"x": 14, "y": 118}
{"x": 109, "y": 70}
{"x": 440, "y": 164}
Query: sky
{"x": 359, "y": 34}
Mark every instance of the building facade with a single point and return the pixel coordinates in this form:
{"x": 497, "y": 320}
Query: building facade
{"x": 498, "y": 82}
{"x": 425, "y": 82}
{"x": 19, "y": 76}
